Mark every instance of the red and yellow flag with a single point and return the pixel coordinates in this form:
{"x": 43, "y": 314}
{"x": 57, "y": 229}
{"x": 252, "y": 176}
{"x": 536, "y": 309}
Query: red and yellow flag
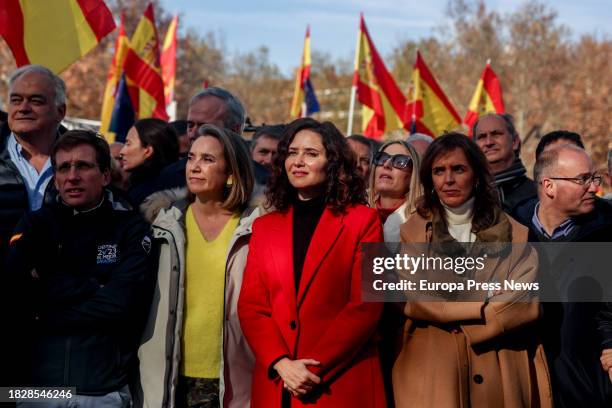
{"x": 53, "y": 33}
{"x": 168, "y": 60}
{"x": 383, "y": 104}
{"x": 429, "y": 110}
{"x": 122, "y": 44}
{"x": 487, "y": 98}
{"x": 304, "y": 101}
{"x": 142, "y": 69}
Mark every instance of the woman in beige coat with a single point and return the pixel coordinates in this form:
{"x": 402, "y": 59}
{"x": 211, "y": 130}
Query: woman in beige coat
{"x": 470, "y": 354}
{"x": 220, "y": 175}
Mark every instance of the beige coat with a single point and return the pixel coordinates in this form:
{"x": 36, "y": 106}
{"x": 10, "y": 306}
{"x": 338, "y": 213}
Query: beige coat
{"x": 472, "y": 354}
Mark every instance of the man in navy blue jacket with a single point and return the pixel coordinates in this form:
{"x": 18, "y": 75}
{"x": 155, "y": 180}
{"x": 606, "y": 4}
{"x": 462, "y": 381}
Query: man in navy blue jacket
{"x": 84, "y": 268}
{"x": 568, "y": 211}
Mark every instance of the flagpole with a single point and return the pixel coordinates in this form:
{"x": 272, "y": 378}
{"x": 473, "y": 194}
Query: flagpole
{"x": 349, "y": 128}
{"x": 349, "y": 125}
{"x": 171, "y": 109}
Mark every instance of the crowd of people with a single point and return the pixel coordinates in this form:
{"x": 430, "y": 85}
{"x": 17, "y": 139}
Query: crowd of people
{"x": 189, "y": 267}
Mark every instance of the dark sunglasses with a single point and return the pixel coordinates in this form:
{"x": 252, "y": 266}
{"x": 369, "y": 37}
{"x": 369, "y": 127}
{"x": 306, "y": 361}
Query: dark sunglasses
{"x": 399, "y": 161}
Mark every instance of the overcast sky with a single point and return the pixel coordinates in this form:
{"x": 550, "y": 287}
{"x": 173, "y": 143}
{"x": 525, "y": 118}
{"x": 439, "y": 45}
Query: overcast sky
{"x": 280, "y": 25}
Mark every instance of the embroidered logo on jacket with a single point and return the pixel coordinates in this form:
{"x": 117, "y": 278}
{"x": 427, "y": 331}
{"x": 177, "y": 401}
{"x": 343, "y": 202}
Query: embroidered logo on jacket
{"x": 15, "y": 238}
{"x": 107, "y": 254}
{"x": 146, "y": 244}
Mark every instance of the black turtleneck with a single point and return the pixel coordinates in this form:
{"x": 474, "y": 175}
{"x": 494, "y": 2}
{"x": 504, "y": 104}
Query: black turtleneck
{"x": 306, "y": 216}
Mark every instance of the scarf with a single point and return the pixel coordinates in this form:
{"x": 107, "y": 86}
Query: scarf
{"x": 515, "y": 170}
{"x": 384, "y": 213}
{"x": 494, "y": 240}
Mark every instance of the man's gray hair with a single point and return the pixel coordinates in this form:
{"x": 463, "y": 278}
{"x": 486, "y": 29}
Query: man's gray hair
{"x": 419, "y": 136}
{"x": 505, "y": 117}
{"x": 508, "y": 121}
{"x": 235, "y": 115}
{"x": 58, "y": 83}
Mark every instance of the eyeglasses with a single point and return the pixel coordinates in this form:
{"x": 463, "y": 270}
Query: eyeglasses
{"x": 79, "y": 166}
{"x": 399, "y": 161}
{"x": 584, "y": 180}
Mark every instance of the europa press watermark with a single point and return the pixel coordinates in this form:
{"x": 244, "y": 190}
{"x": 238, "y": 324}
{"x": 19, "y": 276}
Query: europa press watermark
{"x": 487, "y": 272}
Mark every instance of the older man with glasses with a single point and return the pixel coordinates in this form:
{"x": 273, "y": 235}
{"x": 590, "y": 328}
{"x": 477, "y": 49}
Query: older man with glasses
{"x": 567, "y": 187}
{"x": 569, "y": 211}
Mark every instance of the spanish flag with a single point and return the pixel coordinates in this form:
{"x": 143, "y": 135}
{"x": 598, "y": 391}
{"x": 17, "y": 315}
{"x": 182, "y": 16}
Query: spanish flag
{"x": 429, "y": 110}
{"x": 168, "y": 60}
{"x": 53, "y": 33}
{"x": 487, "y": 98}
{"x": 305, "y": 100}
{"x": 123, "y": 115}
{"x": 142, "y": 69}
{"x": 383, "y": 104}
{"x": 122, "y": 44}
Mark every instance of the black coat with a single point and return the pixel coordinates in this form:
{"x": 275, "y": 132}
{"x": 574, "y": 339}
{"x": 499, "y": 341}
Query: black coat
{"x": 13, "y": 193}
{"x": 84, "y": 311}
{"x": 515, "y": 193}
{"x": 572, "y": 331}
{"x": 604, "y": 324}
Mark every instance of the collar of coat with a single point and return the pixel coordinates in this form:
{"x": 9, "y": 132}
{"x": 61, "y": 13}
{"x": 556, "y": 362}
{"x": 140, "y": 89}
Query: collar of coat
{"x": 171, "y": 206}
{"x": 494, "y": 240}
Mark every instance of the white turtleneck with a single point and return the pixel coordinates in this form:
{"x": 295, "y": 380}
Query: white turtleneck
{"x": 459, "y": 221}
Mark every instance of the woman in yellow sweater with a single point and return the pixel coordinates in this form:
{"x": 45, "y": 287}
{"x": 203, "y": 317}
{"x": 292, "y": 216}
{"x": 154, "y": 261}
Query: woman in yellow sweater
{"x": 196, "y": 324}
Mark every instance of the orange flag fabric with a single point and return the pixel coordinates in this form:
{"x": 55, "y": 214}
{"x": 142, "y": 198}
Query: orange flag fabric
{"x": 53, "y": 33}
{"x": 429, "y": 110}
{"x": 142, "y": 69}
{"x": 383, "y": 103}
{"x": 122, "y": 44}
{"x": 486, "y": 99}
{"x": 168, "y": 60}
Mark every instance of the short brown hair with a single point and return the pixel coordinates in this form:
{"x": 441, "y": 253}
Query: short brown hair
{"x": 78, "y": 137}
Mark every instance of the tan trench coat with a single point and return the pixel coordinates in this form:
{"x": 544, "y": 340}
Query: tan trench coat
{"x": 495, "y": 361}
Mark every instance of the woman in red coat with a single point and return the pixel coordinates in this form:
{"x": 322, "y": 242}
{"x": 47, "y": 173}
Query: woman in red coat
{"x": 300, "y": 306}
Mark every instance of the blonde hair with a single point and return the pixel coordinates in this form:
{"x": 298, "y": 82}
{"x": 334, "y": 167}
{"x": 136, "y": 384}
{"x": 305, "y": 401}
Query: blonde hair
{"x": 238, "y": 159}
{"x": 415, "y": 189}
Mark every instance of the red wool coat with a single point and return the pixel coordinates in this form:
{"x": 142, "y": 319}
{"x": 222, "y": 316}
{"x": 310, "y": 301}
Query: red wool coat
{"x": 325, "y": 321}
